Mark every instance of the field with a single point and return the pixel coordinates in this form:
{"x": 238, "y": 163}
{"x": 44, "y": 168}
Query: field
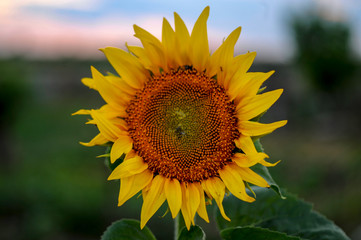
{"x": 51, "y": 187}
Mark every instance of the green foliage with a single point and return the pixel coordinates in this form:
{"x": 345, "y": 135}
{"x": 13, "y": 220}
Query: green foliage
{"x": 291, "y": 216}
{"x": 127, "y": 229}
{"x": 254, "y": 233}
{"x": 194, "y": 233}
{"x": 323, "y": 51}
{"x": 13, "y": 90}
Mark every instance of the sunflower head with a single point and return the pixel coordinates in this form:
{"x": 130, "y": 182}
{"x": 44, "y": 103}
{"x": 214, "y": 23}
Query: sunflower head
{"x": 183, "y": 118}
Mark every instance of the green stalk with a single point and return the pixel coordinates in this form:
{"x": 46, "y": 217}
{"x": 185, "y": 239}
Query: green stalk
{"x": 178, "y": 225}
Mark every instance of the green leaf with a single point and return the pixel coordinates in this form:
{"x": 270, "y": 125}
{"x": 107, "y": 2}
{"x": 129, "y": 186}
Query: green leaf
{"x": 254, "y": 233}
{"x": 291, "y": 216}
{"x": 194, "y": 233}
{"x": 263, "y": 171}
{"x": 127, "y": 229}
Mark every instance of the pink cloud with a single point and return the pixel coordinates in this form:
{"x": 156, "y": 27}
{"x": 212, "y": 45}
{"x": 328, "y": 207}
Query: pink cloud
{"x": 37, "y": 36}
{"x": 48, "y": 37}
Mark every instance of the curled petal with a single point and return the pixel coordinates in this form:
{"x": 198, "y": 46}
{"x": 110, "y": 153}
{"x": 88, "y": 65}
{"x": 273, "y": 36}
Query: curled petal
{"x": 97, "y": 140}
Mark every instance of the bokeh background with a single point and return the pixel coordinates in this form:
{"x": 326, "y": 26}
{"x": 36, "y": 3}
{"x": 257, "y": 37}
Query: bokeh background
{"x": 53, "y": 188}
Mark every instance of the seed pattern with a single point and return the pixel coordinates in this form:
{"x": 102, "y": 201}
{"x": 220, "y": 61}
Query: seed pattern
{"x": 183, "y": 125}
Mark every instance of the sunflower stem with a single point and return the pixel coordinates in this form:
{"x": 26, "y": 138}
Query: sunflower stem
{"x": 178, "y": 225}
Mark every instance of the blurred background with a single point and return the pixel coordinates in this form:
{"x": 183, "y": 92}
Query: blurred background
{"x": 53, "y": 188}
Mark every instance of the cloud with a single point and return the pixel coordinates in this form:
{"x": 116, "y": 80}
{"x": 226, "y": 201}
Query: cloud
{"x": 24, "y": 32}
{"x": 13, "y": 6}
{"x": 42, "y": 36}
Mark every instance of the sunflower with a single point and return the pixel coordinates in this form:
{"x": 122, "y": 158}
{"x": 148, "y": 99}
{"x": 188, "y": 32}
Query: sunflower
{"x": 182, "y": 119}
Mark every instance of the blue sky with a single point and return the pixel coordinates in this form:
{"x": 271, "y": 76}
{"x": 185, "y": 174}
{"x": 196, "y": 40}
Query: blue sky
{"x": 42, "y": 28}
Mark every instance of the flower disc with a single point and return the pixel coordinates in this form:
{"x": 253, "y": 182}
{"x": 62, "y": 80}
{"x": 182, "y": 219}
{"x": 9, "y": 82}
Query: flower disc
{"x": 183, "y": 125}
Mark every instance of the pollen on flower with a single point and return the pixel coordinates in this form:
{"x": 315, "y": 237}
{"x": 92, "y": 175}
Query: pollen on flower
{"x": 183, "y": 125}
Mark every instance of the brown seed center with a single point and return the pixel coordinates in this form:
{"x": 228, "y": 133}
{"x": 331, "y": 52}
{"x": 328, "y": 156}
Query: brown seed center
{"x": 183, "y": 125}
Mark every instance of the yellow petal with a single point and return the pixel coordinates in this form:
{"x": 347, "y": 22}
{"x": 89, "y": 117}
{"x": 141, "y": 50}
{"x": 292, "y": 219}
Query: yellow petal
{"x": 120, "y": 123}
{"x": 173, "y": 192}
{"x": 250, "y": 128}
{"x": 106, "y": 89}
{"x": 246, "y": 144}
{"x": 252, "y": 87}
{"x": 97, "y": 140}
{"x": 122, "y": 145}
{"x": 109, "y": 112}
{"x": 259, "y": 104}
{"x": 122, "y": 86}
{"x": 89, "y": 82}
{"x": 267, "y": 164}
{"x": 216, "y": 188}
{"x": 199, "y": 49}
{"x": 205, "y": 189}
{"x": 185, "y": 206}
{"x": 240, "y": 66}
{"x": 106, "y": 128}
{"x": 168, "y": 41}
{"x": 247, "y": 85}
{"x": 127, "y": 66}
{"x": 130, "y": 186}
{"x": 130, "y": 155}
{"x": 153, "y": 200}
{"x": 143, "y": 57}
{"x": 81, "y": 112}
{"x": 243, "y": 63}
{"x": 128, "y": 168}
{"x": 224, "y": 54}
{"x": 236, "y": 87}
{"x": 152, "y": 46}
{"x": 182, "y": 40}
{"x": 250, "y": 176}
{"x": 194, "y": 198}
{"x": 202, "y": 211}
{"x": 234, "y": 182}
{"x": 242, "y": 160}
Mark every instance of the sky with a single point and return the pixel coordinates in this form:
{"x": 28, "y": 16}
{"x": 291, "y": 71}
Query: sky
{"x": 78, "y": 28}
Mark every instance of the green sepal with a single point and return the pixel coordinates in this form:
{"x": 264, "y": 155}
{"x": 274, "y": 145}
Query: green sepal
{"x": 249, "y": 188}
{"x": 258, "y": 145}
{"x": 111, "y": 74}
{"x": 261, "y": 89}
{"x": 194, "y": 233}
{"x": 254, "y": 233}
{"x": 127, "y": 229}
{"x": 264, "y": 173}
{"x": 291, "y": 216}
